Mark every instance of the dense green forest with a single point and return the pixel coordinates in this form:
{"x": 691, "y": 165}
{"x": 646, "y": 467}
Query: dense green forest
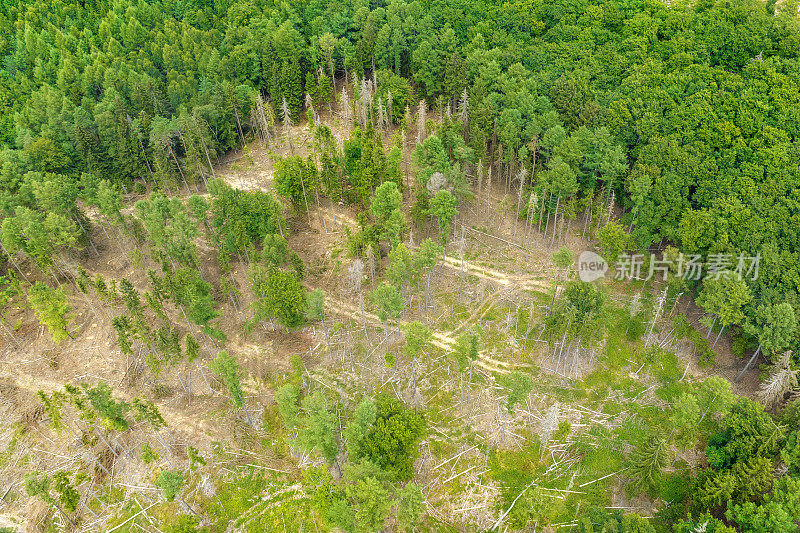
{"x": 678, "y": 124}
{"x": 689, "y": 114}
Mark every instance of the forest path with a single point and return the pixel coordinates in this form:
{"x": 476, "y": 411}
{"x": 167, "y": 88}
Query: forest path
{"x": 520, "y": 281}
{"x": 442, "y": 340}
{"x": 516, "y": 281}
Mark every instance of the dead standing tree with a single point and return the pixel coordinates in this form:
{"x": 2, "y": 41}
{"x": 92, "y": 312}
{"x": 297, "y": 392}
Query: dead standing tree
{"x": 461, "y": 250}
{"x": 479, "y": 185}
{"x": 383, "y": 123}
{"x": 365, "y": 98}
{"x": 310, "y": 106}
{"x": 287, "y": 123}
{"x": 344, "y": 105}
{"x": 463, "y": 112}
{"x": 355, "y": 276}
{"x": 531, "y": 214}
{"x": 262, "y": 120}
{"x": 389, "y": 107}
{"x": 522, "y": 178}
{"x": 656, "y": 315}
{"x": 421, "y": 133}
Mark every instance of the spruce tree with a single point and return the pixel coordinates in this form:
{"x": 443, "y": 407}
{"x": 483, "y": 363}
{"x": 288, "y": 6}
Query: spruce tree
{"x": 227, "y": 368}
{"x": 51, "y": 309}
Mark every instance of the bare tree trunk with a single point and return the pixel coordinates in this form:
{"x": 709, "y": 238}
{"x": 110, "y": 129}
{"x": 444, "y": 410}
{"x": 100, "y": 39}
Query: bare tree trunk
{"x": 303, "y": 185}
{"x": 480, "y": 181}
{"x": 246, "y": 412}
{"x": 635, "y": 212}
{"x": 718, "y": 336}
{"x": 13, "y": 262}
{"x": 522, "y": 176}
{"x": 555, "y": 220}
{"x": 541, "y": 209}
{"x": 363, "y": 315}
{"x": 714, "y": 323}
{"x": 547, "y": 220}
{"x": 488, "y": 187}
{"x": 205, "y": 379}
{"x": 750, "y": 362}
{"x": 10, "y": 333}
{"x": 88, "y": 236}
{"x": 427, "y": 292}
{"x": 208, "y": 158}
{"x": 586, "y": 216}
{"x": 178, "y": 165}
{"x": 659, "y": 307}
{"x": 327, "y": 338}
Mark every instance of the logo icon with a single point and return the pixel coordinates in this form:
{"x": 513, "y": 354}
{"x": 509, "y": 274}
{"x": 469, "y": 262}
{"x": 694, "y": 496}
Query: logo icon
{"x": 591, "y": 266}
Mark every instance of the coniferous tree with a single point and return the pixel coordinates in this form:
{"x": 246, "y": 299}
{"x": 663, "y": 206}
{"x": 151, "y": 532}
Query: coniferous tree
{"x": 57, "y": 491}
{"x": 518, "y": 385}
{"x": 319, "y": 431}
{"x": 227, "y": 368}
{"x": 170, "y": 483}
{"x": 288, "y": 399}
{"x": 647, "y": 463}
{"x": 280, "y": 296}
{"x": 355, "y": 433}
{"x": 390, "y": 303}
{"x": 51, "y": 309}
{"x": 466, "y": 352}
{"x": 443, "y": 207}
